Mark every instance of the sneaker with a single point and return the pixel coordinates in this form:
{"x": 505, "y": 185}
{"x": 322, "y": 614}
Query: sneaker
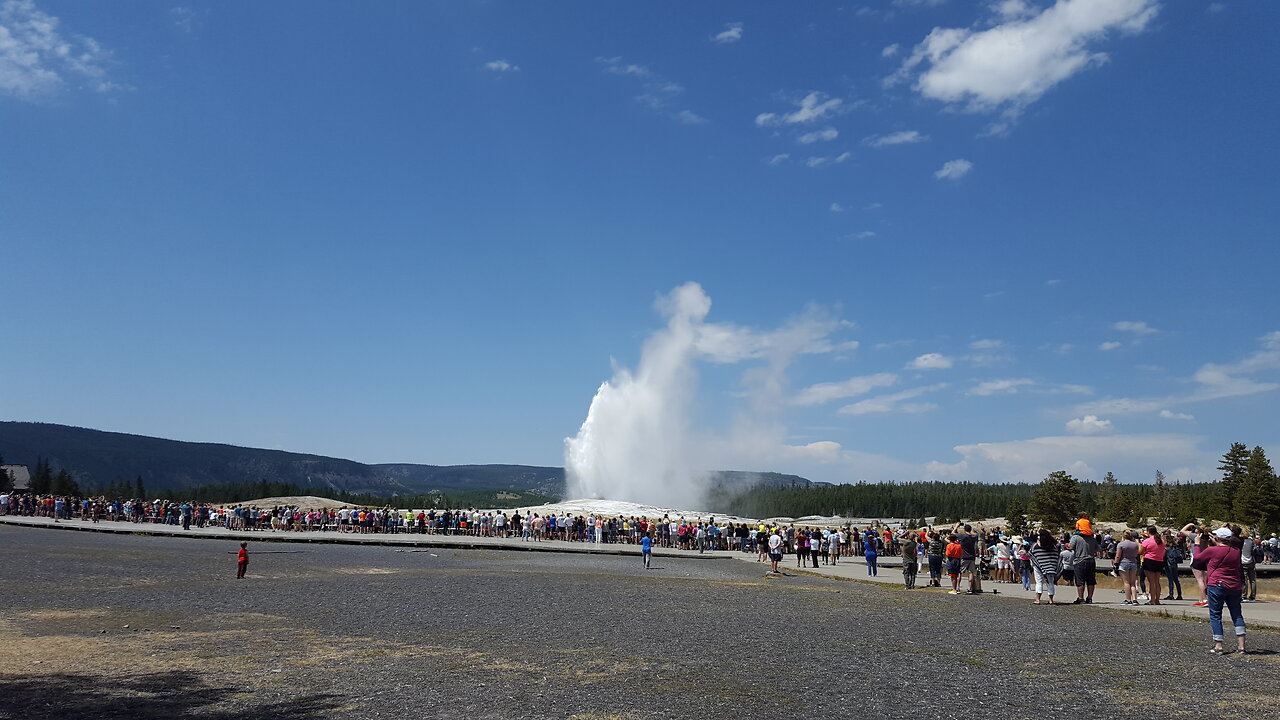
{"x": 1199, "y": 604}
{"x": 1089, "y": 601}
{"x": 1077, "y": 601}
{"x": 953, "y": 592}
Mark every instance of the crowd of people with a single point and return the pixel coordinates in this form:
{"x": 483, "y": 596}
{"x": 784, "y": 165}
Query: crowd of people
{"x": 1223, "y": 560}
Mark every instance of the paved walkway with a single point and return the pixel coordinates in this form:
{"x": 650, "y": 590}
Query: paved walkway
{"x": 854, "y": 569}
{"x": 1105, "y": 598}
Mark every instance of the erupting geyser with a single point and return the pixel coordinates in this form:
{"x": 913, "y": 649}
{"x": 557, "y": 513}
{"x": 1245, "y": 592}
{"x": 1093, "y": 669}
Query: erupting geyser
{"x": 635, "y": 443}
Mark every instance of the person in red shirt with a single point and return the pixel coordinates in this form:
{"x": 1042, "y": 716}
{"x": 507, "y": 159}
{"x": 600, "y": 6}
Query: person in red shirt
{"x": 242, "y": 560}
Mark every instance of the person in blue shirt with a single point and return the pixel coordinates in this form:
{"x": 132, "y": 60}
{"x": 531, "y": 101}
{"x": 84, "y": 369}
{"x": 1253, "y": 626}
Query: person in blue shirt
{"x": 646, "y": 549}
{"x": 869, "y": 553}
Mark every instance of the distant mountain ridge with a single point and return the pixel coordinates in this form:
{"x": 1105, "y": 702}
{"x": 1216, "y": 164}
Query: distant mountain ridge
{"x": 97, "y": 458}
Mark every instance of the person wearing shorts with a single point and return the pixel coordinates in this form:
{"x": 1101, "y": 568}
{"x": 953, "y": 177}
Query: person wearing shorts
{"x": 1084, "y": 568}
{"x": 775, "y": 551}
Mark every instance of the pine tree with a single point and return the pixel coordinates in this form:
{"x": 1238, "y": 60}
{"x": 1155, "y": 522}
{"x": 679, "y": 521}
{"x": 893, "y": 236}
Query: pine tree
{"x": 64, "y": 484}
{"x": 1056, "y": 500}
{"x": 139, "y": 491}
{"x": 1234, "y": 466}
{"x": 42, "y": 479}
{"x": 1108, "y": 499}
{"x": 1257, "y": 498}
{"x": 1161, "y": 500}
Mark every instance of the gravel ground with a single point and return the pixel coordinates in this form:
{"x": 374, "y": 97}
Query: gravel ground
{"x": 104, "y": 626}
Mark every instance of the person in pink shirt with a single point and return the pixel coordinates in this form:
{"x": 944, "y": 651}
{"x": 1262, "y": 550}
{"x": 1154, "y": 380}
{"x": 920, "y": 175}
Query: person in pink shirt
{"x": 1224, "y": 584}
{"x": 1153, "y": 562}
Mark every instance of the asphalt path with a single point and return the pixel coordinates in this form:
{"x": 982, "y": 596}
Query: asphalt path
{"x": 101, "y": 626}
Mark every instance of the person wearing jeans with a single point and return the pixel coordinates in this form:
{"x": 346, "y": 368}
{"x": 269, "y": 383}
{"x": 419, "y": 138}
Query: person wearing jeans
{"x": 1223, "y": 586}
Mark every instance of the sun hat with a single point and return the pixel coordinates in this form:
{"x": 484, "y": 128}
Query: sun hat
{"x": 1223, "y": 532}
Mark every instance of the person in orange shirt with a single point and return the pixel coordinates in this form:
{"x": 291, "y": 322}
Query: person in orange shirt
{"x": 1083, "y": 524}
{"x": 242, "y": 560}
{"x": 953, "y": 553}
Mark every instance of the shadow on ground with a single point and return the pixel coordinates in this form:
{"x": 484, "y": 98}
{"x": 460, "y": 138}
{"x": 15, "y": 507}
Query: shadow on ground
{"x": 163, "y": 695}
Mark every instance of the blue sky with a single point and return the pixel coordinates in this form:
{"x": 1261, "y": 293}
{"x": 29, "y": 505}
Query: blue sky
{"x": 940, "y": 239}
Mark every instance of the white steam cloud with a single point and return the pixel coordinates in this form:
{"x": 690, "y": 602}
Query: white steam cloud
{"x": 639, "y": 443}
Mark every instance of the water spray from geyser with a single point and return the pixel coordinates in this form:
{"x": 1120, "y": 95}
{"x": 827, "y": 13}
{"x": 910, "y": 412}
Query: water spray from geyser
{"x": 635, "y": 443}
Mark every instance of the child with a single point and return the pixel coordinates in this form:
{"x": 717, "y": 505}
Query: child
{"x": 242, "y": 560}
{"x": 646, "y": 549}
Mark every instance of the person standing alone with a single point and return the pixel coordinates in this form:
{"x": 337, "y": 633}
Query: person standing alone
{"x": 242, "y": 560}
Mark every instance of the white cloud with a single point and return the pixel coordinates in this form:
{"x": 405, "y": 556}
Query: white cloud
{"x": 1086, "y": 457}
{"x": 815, "y": 162}
{"x": 657, "y": 93}
{"x": 1012, "y": 64}
{"x": 1001, "y": 387}
{"x": 1215, "y": 8}
{"x": 779, "y": 158}
{"x": 954, "y": 169}
{"x": 37, "y": 61}
{"x": 836, "y": 207}
{"x": 930, "y": 361}
{"x": 501, "y": 66}
{"x": 688, "y": 117}
{"x": 183, "y": 18}
{"x": 1109, "y": 345}
{"x": 1137, "y": 328}
{"x": 863, "y": 235}
{"x": 903, "y": 137}
{"x": 1088, "y": 425}
{"x": 1216, "y": 382}
{"x": 893, "y": 403}
{"x": 890, "y": 50}
{"x": 986, "y": 345}
{"x": 732, "y": 33}
{"x": 823, "y": 135}
{"x": 1169, "y": 415}
{"x": 826, "y": 392}
{"x": 812, "y": 107}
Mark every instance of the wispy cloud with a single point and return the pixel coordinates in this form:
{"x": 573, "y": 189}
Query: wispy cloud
{"x": 890, "y": 50}
{"x": 823, "y": 135}
{"x": 779, "y": 158}
{"x": 1137, "y": 328}
{"x": 986, "y": 344}
{"x": 1170, "y": 415}
{"x": 36, "y": 60}
{"x": 903, "y": 137}
{"x": 930, "y": 361}
{"x": 811, "y": 108}
{"x": 1026, "y": 53}
{"x": 1214, "y": 381}
{"x": 1082, "y": 456}
{"x": 826, "y": 392}
{"x": 836, "y": 207}
{"x": 821, "y": 161}
{"x": 658, "y": 93}
{"x": 862, "y": 235}
{"x": 953, "y": 169}
{"x": 732, "y": 33}
{"x": 1008, "y": 386}
{"x": 1109, "y": 345}
{"x": 893, "y": 403}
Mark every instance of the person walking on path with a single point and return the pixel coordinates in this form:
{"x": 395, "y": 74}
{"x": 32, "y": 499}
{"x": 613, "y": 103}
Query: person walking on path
{"x": 1224, "y": 586}
{"x": 1046, "y": 563}
{"x": 242, "y": 560}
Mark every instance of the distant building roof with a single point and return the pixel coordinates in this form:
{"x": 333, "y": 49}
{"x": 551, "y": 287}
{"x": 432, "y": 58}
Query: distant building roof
{"x": 21, "y": 476}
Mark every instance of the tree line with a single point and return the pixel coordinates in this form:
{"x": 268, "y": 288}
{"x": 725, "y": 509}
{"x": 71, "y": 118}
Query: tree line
{"x": 1248, "y": 493}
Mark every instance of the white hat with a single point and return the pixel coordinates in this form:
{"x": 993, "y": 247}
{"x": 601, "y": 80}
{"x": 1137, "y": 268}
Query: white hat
{"x": 1223, "y": 532}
